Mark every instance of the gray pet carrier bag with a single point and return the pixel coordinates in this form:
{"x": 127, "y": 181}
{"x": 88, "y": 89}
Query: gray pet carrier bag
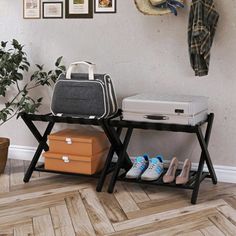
{"x": 84, "y": 95}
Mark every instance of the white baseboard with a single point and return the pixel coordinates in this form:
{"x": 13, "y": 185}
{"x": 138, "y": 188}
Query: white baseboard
{"x": 224, "y": 173}
{"x": 22, "y": 153}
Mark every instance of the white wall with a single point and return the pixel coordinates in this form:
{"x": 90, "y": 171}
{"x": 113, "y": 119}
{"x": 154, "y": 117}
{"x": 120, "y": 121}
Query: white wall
{"x": 143, "y": 54}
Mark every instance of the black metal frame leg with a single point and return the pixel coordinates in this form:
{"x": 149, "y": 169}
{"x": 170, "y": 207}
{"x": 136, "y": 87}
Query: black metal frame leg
{"x": 117, "y": 144}
{"x": 121, "y": 160}
{"x": 42, "y": 146}
{"x": 107, "y": 163}
{"x": 205, "y": 156}
{"x": 33, "y": 130}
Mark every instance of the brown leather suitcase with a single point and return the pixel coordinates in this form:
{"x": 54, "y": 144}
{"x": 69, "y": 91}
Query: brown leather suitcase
{"x": 72, "y": 141}
{"x": 75, "y": 164}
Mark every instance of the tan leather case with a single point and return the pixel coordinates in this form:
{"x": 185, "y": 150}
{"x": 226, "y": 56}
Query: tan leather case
{"x": 75, "y": 164}
{"x": 72, "y": 141}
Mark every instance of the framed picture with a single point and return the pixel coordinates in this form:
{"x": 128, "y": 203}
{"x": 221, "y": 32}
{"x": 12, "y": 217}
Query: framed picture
{"x": 105, "y": 6}
{"x": 79, "y": 8}
{"x": 52, "y": 10}
{"x": 32, "y": 9}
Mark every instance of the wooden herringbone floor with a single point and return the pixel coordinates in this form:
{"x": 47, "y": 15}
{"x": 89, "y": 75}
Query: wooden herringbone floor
{"x": 58, "y": 205}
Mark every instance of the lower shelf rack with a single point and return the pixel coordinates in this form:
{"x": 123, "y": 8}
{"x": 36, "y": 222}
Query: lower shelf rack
{"x": 41, "y": 168}
{"x": 159, "y": 182}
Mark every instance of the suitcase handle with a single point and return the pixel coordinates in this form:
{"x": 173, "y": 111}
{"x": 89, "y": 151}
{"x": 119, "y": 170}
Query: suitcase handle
{"x": 156, "y": 117}
{"x": 79, "y": 63}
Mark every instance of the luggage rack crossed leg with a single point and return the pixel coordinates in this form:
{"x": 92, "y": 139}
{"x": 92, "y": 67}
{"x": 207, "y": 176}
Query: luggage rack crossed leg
{"x": 197, "y": 176}
{"x": 116, "y": 147}
{"x": 42, "y": 140}
{"x": 205, "y": 157}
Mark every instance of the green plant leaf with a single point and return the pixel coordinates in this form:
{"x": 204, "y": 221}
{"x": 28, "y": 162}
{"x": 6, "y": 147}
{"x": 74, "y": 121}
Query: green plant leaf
{"x": 16, "y": 44}
{"x": 19, "y": 76}
{"x": 3, "y": 44}
{"x": 58, "y": 72}
{"x": 63, "y": 68}
{"x": 39, "y": 100}
{"x": 40, "y": 67}
{"x": 58, "y": 62}
{"x": 3, "y": 116}
{"x": 13, "y": 65}
{"x": 26, "y": 62}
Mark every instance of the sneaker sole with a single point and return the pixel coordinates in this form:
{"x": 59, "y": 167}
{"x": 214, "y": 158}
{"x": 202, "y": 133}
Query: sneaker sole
{"x": 151, "y": 179}
{"x": 131, "y": 177}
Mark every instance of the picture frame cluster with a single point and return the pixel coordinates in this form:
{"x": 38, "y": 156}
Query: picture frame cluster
{"x": 32, "y": 9}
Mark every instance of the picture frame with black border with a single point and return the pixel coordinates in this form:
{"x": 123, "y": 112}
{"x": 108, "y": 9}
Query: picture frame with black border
{"x": 78, "y": 8}
{"x": 105, "y": 6}
{"x": 31, "y": 9}
{"x": 53, "y": 10}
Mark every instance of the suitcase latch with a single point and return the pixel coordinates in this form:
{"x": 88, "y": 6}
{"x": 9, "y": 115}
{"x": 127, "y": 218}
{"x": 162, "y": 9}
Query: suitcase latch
{"x": 68, "y": 141}
{"x": 65, "y": 159}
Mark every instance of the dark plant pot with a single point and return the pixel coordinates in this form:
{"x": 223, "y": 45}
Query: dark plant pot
{"x": 4, "y": 145}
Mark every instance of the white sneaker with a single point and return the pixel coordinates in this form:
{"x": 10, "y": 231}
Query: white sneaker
{"x": 139, "y": 166}
{"x": 154, "y": 170}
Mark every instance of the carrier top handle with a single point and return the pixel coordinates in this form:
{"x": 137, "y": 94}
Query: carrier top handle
{"x": 79, "y": 63}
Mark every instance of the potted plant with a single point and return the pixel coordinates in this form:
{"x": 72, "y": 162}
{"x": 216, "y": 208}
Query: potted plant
{"x": 16, "y": 94}
{"x": 4, "y": 145}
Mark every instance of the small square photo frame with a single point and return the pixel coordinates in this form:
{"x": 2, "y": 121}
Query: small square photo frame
{"x": 52, "y": 10}
{"x": 105, "y": 6}
{"x": 31, "y": 9}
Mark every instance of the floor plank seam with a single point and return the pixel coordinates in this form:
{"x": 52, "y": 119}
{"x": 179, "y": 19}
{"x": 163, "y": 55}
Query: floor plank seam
{"x": 130, "y": 210}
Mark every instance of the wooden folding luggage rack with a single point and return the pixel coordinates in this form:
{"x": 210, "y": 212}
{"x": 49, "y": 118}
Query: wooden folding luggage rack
{"x": 113, "y": 128}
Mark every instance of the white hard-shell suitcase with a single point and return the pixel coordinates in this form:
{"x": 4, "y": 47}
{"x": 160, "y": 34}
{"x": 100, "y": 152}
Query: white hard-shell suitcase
{"x": 172, "y": 109}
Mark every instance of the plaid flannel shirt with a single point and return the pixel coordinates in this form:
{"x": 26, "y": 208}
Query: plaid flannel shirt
{"x": 203, "y": 20}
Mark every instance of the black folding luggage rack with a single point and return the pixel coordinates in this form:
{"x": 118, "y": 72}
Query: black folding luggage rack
{"x": 113, "y": 128}
{"x": 196, "y": 176}
{"x": 50, "y": 119}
